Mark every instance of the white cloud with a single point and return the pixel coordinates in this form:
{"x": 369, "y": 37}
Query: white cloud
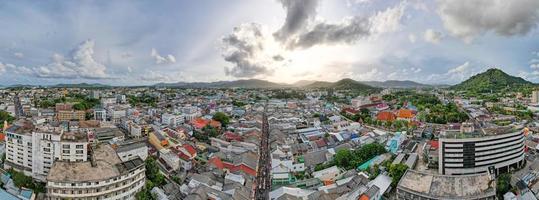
{"x": 79, "y": 64}
{"x": 168, "y": 59}
{"x": 412, "y": 38}
{"x": 433, "y": 36}
{"x": 467, "y": 19}
{"x": 388, "y": 20}
{"x": 18, "y": 55}
{"x": 2, "y": 68}
{"x": 416, "y": 69}
{"x": 459, "y": 69}
{"x": 247, "y": 47}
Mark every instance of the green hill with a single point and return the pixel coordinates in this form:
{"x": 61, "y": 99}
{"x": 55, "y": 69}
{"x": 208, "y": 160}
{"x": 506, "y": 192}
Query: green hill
{"x": 344, "y": 84}
{"x": 492, "y": 80}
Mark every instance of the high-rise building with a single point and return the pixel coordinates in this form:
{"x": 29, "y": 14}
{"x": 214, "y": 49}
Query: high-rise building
{"x": 535, "y": 96}
{"x": 104, "y": 177}
{"x": 495, "y": 151}
{"x": 33, "y": 150}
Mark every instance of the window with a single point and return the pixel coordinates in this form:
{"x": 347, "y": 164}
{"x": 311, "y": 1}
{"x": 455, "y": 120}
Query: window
{"x": 79, "y": 146}
{"x": 65, "y": 151}
{"x": 65, "y": 146}
{"x": 80, "y": 151}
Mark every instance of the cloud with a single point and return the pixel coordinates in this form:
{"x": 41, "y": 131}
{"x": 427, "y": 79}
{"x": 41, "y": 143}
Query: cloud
{"x": 126, "y": 55}
{"x": 412, "y": 38}
{"x": 534, "y": 62}
{"x": 415, "y": 69}
{"x": 298, "y": 15}
{"x": 18, "y": 55}
{"x": 168, "y": 59}
{"x": 253, "y": 52}
{"x": 459, "y": 69}
{"x": 347, "y": 31}
{"x": 433, "y": 36}
{"x": 245, "y": 49}
{"x": 2, "y": 68}
{"x": 79, "y": 64}
{"x": 467, "y": 19}
{"x": 388, "y": 20}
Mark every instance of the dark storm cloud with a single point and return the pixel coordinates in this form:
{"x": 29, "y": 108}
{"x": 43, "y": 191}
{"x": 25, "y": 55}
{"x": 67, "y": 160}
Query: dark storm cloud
{"x": 241, "y": 48}
{"x": 323, "y": 33}
{"x": 298, "y": 15}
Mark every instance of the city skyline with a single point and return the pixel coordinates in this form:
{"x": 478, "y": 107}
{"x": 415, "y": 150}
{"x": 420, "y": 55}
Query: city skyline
{"x": 143, "y": 43}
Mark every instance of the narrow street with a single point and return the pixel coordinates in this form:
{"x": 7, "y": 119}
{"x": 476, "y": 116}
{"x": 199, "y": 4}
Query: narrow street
{"x": 263, "y": 179}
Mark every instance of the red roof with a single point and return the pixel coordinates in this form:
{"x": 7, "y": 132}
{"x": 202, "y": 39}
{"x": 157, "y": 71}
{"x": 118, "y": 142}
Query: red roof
{"x": 385, "y": 116}
{"x": 434, "y": 144}
{"x": 229, "y": 136}
{"x": 405, "y": 113}
{"x": 199, "y": 123}
{"x": 217, "y": 162}
{"x": 350, "y": 110}
{"x": 321, "y": 143}
{"x": 190, "y": 149}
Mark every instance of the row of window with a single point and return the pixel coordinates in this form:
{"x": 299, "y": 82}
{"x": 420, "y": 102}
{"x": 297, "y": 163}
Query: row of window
{"x": 105, "y": 181}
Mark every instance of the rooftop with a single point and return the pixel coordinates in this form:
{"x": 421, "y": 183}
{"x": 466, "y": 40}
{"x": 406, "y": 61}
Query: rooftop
{"x": 456, "y": 134}
{"x": 447, "y": 186}
{"x": 106, "y": 162}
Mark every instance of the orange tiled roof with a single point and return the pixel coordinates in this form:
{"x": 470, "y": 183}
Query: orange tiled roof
{"x": 405, "y": 113}
{"x": 385, "y": 116}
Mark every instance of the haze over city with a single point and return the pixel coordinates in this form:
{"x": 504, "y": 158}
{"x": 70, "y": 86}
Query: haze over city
{"x": 148, "y": 42}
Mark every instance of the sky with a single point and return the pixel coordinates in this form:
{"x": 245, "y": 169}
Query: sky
{"x": 147, "y": 42}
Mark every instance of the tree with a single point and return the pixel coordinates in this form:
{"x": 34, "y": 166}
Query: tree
{"x": 210, "y": 131}
{"x": 221, "y": 117}
{"x": 343, "y": 158}
{"x": 4, "y": 116}
{"x": 504, "y": 184}
{"x": 153, "y": 173}
{"x": 396, "y": 172}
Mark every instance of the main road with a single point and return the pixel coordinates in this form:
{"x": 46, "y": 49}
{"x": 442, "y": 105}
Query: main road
{"x": 263, "y": 179}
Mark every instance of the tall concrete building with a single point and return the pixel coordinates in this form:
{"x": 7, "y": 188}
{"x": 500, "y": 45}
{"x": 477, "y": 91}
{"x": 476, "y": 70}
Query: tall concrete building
{"x": 104, "y": 177}
{"x": 33, "y": 149}
{"x": 535, "y": 96}
{"x": 489, "y": 150}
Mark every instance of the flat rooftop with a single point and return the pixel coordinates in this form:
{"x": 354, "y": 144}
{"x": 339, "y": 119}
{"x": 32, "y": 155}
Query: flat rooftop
{"x": 456, "y": 134}
{"x": 447, "y": 186}
{"x": 106, "y": 161}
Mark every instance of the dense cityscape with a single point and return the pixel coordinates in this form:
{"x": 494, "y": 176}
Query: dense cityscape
{"x": 342, "y": 140}
{"x": 269, "y": 100}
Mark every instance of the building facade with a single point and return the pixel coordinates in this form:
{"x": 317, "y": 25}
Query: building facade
{"x": 33, "y": 151}
{"x": 106, "y": 177}
{"x": 496, "y": 153}
{"x": 68, "y": 115}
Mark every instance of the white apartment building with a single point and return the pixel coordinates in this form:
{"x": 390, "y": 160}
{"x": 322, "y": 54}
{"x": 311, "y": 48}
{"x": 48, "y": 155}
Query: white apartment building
{"x": 100, "y": 114}
{"x": 108, "y": 101}
{"x": 170, "y": 158}
{"x": 535, "y": 97}
{"x": 168, "y": 119}
{"x": 105, "y": 177}
{"x": 496, "y": 153}
{"x": 131, "y": 150}
{"x": 34, "y": 150}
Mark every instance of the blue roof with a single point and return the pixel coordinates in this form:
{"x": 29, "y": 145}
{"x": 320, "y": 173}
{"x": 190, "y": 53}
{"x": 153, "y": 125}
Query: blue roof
{"x": 4, "y": 195}
{"x": 26, "y": 193}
